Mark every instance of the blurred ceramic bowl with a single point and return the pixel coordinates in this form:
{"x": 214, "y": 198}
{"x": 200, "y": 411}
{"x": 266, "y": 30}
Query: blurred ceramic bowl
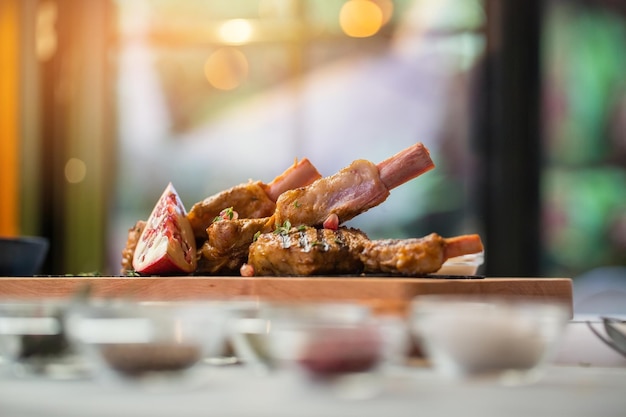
{"x": 34, "y": 342}
{"x": 22, "y": 255}
{"x": 462, "y": 265}
{"x": 322, "y": 340}
{"x": 132, "y": 341}
{"x": 504, "y": 338}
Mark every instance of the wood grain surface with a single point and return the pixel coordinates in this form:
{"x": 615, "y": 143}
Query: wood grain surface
{"x": 386, "y": 294}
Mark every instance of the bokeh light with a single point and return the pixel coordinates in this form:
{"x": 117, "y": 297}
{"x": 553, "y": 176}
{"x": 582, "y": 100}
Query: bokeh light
{"x": 46, "y": 35}
{"x": 236, "y": 31}
{"x": 226, "y": 68}
{"x": 386, "y": 7}
{"x": 75, "y": 170}
{"x": 360, "y": 18}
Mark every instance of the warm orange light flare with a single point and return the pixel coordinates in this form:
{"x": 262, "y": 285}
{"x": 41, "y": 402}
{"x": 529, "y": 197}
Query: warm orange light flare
{"x": 360, "y": 18}
{"x": 9, "y": 117}
{"x": 226, "y": 68}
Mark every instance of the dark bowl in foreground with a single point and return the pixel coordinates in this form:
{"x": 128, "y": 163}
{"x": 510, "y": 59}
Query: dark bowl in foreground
{"x": 22, "y": 255}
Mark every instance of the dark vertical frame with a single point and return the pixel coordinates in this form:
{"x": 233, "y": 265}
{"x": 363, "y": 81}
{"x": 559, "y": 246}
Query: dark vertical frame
{"x": 509, "y": 139}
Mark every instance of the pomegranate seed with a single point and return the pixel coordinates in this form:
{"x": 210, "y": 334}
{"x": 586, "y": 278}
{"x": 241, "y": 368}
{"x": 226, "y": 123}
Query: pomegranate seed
{"x": 246, "y": 270}
{"x": 229, "y": 214}
{"x": 331, "y": 222}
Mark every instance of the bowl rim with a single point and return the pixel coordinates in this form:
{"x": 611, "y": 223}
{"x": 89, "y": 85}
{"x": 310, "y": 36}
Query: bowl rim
{"x": 42, "y": 240}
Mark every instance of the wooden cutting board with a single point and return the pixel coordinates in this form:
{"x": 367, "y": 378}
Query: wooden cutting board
{"x": 386, "y": 294}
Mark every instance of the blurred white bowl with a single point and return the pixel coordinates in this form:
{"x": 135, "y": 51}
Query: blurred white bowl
{"x": 506, "y": 338}
{"x": 34, "y": 342}
{"x": 341, "y": 347}
{"x": 328, "y": 340}
{"x": 140, "y": 341}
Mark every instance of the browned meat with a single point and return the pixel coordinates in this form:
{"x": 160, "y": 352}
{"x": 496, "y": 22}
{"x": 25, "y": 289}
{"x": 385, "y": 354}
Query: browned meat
{"x": 405, "y": 256}
{"x": 134, "y": 233}
{"x": 353, "y": 190}
{"x": 251, "y": 200}
{"x": 307, "y": 251}
{"x": 310, "y": 251}
{"x": 346, "y": 193}
{"x": 418, "y": 256}
{"x": 319, "y": 201}
{"x": 226, "y": 248}
{"x": 248, "y": 200}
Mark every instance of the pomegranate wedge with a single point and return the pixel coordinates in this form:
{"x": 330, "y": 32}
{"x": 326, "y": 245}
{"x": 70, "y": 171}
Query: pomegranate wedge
{"x": 167, "y": 244}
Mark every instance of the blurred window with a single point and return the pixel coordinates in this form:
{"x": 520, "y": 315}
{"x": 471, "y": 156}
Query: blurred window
{"x": 584, "y": 182}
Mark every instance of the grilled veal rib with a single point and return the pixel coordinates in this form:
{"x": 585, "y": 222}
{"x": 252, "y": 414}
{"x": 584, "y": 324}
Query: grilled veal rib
{"x": 353, "y": 190}
{"x": 310, "y": 251}
{"x": 417, "y": 256}
{"x": 250, "y": 200}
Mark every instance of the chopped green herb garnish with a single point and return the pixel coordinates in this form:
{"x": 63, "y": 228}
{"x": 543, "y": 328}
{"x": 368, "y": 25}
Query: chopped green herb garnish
{"x": 283, "y": 229}
{"x": 226, "y": 214}
{"x": 256, "y": 236}
{"x": 296, "y": 204}
{"x": 322, "y": 245}
{"x": 229, "y": 213}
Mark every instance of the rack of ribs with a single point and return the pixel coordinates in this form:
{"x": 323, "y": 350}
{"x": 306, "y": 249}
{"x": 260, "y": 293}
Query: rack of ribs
{"x": 305, "y": 251}
{"x": 345, "y": 194}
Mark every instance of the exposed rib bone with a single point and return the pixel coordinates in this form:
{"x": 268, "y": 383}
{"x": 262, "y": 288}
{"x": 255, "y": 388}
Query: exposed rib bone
{"x": 301, "y": 173}
{"x": 462, "y": 245}
{"x": 405, "y": 165}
